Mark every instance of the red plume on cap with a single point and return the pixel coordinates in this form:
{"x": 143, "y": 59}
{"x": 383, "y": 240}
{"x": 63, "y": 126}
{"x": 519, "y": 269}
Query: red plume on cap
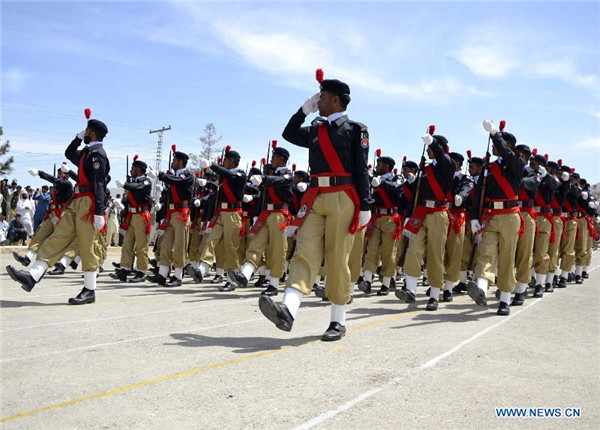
{"x": 205, "y": 169}
{"x": 173, "y": 148}
{"x": 197, "y": 174}
{"x": 227, "y": 148}
{"x": 559, "y": 162}
{"x": 572, "y": 170}
{"x": 253, "y": 163}
{"x": 404, "y": 159}
{"x": 502, "y": 125}
{"x": 294, "y": 167}
{"x": 219, "y": 160}
{"x": 319, "y": 75}
{"x": 273, "y": 144}
{"x": 378, "y": 152}
{"x": 469, "y": 153}
{"x": 263, "y": 161}
{"x": 546, "y": 157}
{"x": 135, "y": 157}
{"x": 370, "y": 166}
{"x": 87, "y": 112}
{"x": 447, "y": 149}
{"x": 534, "y": 152}
{"x": 431, "y": 129}
{"x": 395, "y": 170}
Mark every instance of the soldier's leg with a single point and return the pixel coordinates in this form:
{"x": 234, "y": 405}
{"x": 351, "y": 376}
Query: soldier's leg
{"x": 580, "y": 247}
{"x": 277, "y": 245}
{"x": 43, "y": 232}
{"x": 128, "y": 247}
{"x": 356, "y": 255}
{"x": 372, "y": 255}
{"x": 195, "y": 241}
{"x": 254, "y": 253}
{"x": 487, "y": 254}
{"x": 232, "y": 223}
{"x": 524, "y": 256}
{"x": 414, "y": 258}
{"x": 388, "y": 250}
{"x": 141, "y": 242}
{"x": 553, "y": 249}
{"x": 453, "y": 258}
{"x": 86, "y": 236}
{"x": 166, "y": 251}
{"x": 207, "y": 256}
{"x": 567, "y": 248}
{"x": 508, "y": 237}
{"x": 437, "y": 231}
{"x": 540, "y": 253}
{"x": 180, "y": 238}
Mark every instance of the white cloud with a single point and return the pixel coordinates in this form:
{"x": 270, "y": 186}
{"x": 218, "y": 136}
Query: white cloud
{"x": 589, "y": 143}
{"x": 14, "y": 79}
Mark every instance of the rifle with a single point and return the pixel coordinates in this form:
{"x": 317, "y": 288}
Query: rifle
{"x": 54, "y": 174}
{"x": 482, "y": 196}
{"x": 127, "y": 177}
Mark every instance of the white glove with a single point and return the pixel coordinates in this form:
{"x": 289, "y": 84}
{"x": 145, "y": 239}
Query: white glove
{"x": 584, "y": 195}
{"x": 406, "y": 221}
{"x": 475, "y": 226}
{"x": 151, "y": 173}
{"x": 254, "y": 220}
{"x": 98, "y": 222}
{"x": 81, "y": 135}
{"x": 291, "y": 231}
{"x": 363, "y": 218}
{"x": 119, "y": 183}
{"x": 489, "y": 126}
{"x": 458, "y": 200}
{"x": 542, "y": 171}
{"x": 411, "y": 178}
{"x": 64, "y": 168}
{"x": 203, "y": 163}
{"x": 197, "y": 203}
{"x": 302, "y": 186}
{"x": 33, "y": 172}
{"x": 427, "y": 139}
{"x": 592, "y": 205}
{"x": 376, "y": 181}
{"x": 157, "y": 206}
{"x": 159, "y": 188}
{"x": 256, "y": 179}
{"x": 565, "y": 176}
{"x": 201, "y": 181}
{"x": 597, "y": 220}
{"x": 311, "y": 104}
{"x": 247, "y": 198}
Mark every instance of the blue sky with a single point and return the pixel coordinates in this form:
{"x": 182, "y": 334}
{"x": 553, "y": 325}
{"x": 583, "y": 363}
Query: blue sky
{"x": 247, "y": 67}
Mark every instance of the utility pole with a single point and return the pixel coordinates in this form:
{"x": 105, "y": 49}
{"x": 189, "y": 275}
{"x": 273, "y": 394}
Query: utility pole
{"x": 158, "y": 159}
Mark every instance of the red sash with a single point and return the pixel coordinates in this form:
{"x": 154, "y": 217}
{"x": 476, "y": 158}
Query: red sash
{"x": 184, "y": 213}
{"x": 230, "y": 199}
{"x": 337, "y": 169}
{"x": 264, "y": 214}
{"x": 84, "y": 182}
{"x": 459, "y": 217}
{"x": 387, "y": 204}
{"x": 145, "y": 215}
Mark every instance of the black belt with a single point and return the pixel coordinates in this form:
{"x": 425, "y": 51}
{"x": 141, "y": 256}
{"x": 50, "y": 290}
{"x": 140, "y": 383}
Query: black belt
{"x": 56, "y": 207}
{"x": 385, "y": 211}
{"x": 432, "y": 203}
{"x": 81, "y": 190}
{"x": 275, "y": 206}
{"x": 540, "y": 210}
{"x": 526, "y": 204}
{"x": 178, "y": 205}
{"x": 502, "y": 205}
{"x": 137, "y": 209}
{"x": 557, "y": 211}
{"x": 331, "y": 181}
{"x": 225, "y": 205}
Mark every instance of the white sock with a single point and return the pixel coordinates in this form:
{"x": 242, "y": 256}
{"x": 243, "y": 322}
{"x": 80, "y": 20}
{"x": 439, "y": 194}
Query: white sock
{"x": 89, "y": 280}
{"x": 352, "y": 284}
{"x": 549, "y": 278}
{"x": 386, "y": 281}
{"x": 203, "y": 268}
{"x": 411, "y": 283}
{"x": 520, "y": 288}
{"x": 247, "y": 270}
{"x": 504, "y": 297}
{"x": 262, "y": 270}
{"x": 586, "y": 268}
{"x": 573, "y": 268}
{"x": 368, "y": 276}
{"x": 482, "y": 284}
{"x": 163, "y": 271}
{"x": 37, "y": 270}
{"x": 292, "y": 299}
{"x": 220, "y": 272}
{"x": 449, "y": 284}
{"x": 578, "y": 270}
{"x": 194, "y": 264}
{"x": 77, "y": 259}
{"x": 318, "y": 280}
{"x": 65, "y": 261}
{"x": 361, "y": 272}
{"x": 126, "y": 268}
{"x": 273, "y": 281}
{"x": 325, "y": 281}
{"x": 434, "y": 293}
{"x": 425, "y": 272}
{"x": 231, "y": 281}
{"x": 557, "y": 272}
{"x": 30, "y": 255}
{"x": 287, "y": 267}
{"x": 540, "y": 278}
{"x": 179, "y": 273}
{"x": 338, "y": 313}
{"x": 267, "y": 272}
{"x": 463, "y": 277}
{"x": 564, "y": 274}
{"x": 533, "y": 274}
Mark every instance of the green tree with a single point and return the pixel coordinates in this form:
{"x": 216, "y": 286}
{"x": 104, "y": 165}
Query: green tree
{"x": 5, "y": 165}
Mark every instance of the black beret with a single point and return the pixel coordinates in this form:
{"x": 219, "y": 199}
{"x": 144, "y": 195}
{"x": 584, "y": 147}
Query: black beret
{"x": 552, "y": 164}
{"x": 540, "y": 159}
{"x": 282, "y": 152}
{"x": 233, "y": 155}
{"x": 387, "y": 160}
{"x": 181, "y": 156}
{"x": 523, "y": 148}
{"x": 457, "y": 156}
{"x": 411, "y": 165}
{"x": 477, "y": 160}
{"x": 565, "y": 168}
{"x": 98, "y": 126}
{"x": 440, "y": 140}
{"x": 575, "y": 176}
{"x": 254, "y": 171}
{"x": 302, "y": 174}
{"x": 140, "y": 164}
{"x": 335, "y": 86}
{"x": 509, "y": 137}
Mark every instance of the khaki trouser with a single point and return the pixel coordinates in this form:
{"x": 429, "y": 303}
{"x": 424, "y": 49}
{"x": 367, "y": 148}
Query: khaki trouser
{"x": 112, "y": 229}
{"x": 453, "y": 258}
{"x": 381, "y": 246}
{"x": 195, "y": 241}
{"x": 355, "y": 260}
{"x": 220, "y": 255}
{"x": 567, "y": 246}
{"x": 72, "y": 227}
{"x": 101, "y": 244}
{"x": 581, "y": 242}
{"x": 401, "y": 246}
{"x": 431, "y": 239}
{"x": 173, "y": 248}
{"x": 498, "y": 247}
{"x": 467, "y": 249}
{"x": 272, "y": 241}
{"x": 541, "y": 259}
{"x": 135, "y": 243}
{"x": 245, "y": 240}
{"x": 553, "y": 248}
{"x": 325, "y": 232}
{"x": 588, "y": 257}
{"x": 72, "y": 250}
{"x": 226, "y": 228}
{"x": 524, "y": 257}
{"x": 43, "y": 232}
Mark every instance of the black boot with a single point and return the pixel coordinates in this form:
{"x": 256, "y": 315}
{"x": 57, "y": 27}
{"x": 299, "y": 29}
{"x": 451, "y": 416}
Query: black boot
{"x": 364, "y": 286}
{"x": 562, "y": 282}
{"x": 503, "y": 309}
{"x": 335, "y": 331}
{"x": 570, "y": 277}
{"x": 585, "y": 275}
{"x": 518, "y": 299}
{"x": 84, "y": 297}
{"x": 73, "y": 265}
{"x": 59, "y": 269}
{"x": 138, "y": 277}
{"x": 174, "y": 281}
{"x": 432, "y": 305}
{"x": 461, "y": 287}
{"x": 116, "y": 265}
{"x": 270, "y": 291}
{"x": 392, "y": 284}
{"x": 153, "y": 262}
{"x": 227, "y": 287}
{"x": 425, "y": 281}
{"x": 549, "y": 288}
{"x": 194, "y": 273}
{"x": 384, "y": 291}
{"x": 238, "y": 277}
{"x": 405, "y": 295}
{"x": 261, "y": 281}
{"x": 578, "y": 280}
{"x": 282, "y": 279}
{"x": 447, "y": 296}
{"x": 24, "y": 260}
{"x": 497, "y": 294}
{"x": 320, "y": 292}
{"x": 122, "y": 274}
{"x": 476, "y": 294}
{"x": 277, "y": 313}
{"x": 539, "y": 292}
{"x": 555, "y": 281}
{"x": 217, "y": 279}
{"x": 157, "y": 279}
{"x": 22, "y": 277}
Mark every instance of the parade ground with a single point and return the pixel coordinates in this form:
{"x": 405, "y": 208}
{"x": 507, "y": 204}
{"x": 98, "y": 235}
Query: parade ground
{"x": 151, "y": 357}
